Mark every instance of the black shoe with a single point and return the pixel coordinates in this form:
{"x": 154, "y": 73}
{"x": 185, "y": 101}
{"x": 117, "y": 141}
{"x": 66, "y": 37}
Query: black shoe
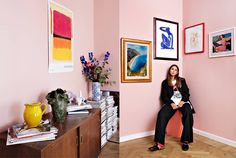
{"x": 155, "y": 148}
{"x": 185, "y": 147}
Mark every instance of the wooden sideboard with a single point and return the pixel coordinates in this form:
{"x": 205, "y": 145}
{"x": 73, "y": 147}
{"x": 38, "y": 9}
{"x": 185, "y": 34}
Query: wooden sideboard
{"x": 78, "y": 137}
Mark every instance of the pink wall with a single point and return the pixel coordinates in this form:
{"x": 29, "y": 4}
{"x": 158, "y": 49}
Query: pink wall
{"x": 24, "y": 54}
{"x": 139, "y": 102}
{"x": 212, "y": 80}
{"x": 106, "y": 36}
{"x": 99, "y": 25}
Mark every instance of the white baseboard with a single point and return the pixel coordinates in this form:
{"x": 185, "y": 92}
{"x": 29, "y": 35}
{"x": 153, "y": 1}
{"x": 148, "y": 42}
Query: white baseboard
{"x": 215, "y": 137}
{"x": 197, "y": 131}
{"x": 136, "y": 136}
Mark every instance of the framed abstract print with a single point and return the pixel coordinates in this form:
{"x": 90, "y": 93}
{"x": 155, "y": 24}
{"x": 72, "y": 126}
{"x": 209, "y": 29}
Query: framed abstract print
{"x": 222, "y": 43}
{"x": 194, "y": 39}
{"x": 166, "y": 39}
{"x": 60, "y": 38}
{"x": 136, "y": 60}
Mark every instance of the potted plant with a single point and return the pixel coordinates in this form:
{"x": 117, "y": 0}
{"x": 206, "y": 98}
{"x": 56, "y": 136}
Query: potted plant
{"x": 96, "y": 72}
{"x": 58, "y": 99}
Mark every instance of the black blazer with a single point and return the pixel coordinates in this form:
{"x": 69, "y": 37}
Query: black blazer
{"x": 167, "y": 92}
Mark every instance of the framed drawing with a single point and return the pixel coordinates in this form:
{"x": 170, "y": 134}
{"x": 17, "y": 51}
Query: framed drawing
{"x": 222, "y": 43}
{"x": 194, "y": 39}
{"x": 136, "y": 60}
{"x": 166, "y": 39}
{"x": 60, "y": 56}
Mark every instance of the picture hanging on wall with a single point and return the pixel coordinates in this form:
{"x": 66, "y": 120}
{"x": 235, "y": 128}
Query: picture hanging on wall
{"x": 166, "y": 39}
{"x": 136, "y": 60}
{"x": 222, "y": 43}
{"x": 60, "y": 38}
{"x": 194, "y": 39}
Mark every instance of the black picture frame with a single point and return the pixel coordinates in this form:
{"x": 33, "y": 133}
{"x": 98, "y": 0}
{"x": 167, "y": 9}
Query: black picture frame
{"x": 166, "y": 39}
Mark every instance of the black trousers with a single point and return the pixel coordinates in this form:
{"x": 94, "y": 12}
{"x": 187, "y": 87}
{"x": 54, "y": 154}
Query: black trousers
{"x": 163, "y": 118}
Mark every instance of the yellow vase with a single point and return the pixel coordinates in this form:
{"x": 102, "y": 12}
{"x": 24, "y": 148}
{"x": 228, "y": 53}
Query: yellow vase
{"x": 33, "y": 114}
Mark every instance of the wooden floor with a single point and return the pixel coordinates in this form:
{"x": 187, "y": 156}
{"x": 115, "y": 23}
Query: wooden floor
{"x": 201, "y": 148}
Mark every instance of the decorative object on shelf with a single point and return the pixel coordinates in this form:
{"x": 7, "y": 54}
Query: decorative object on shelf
{"x": 61, "y": 38}
{"x": 33, "y": 114}
{"x": 222, "y": 43}
{"x": 166, "y": 39}
{"x": 96, "y": 72}
{"x": 73, "y": 99}
{"x": 194, "y": 39}
{"x": 106, "y": 93}
{"x": 136, "y": 60}
{"x": 58, "y": 99}
{"x": 96, "y": 91}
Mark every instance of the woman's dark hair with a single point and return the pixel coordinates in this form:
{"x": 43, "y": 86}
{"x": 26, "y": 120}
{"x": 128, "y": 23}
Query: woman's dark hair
{"x": 223, "y": 36}
{"x": 178, "y": 81}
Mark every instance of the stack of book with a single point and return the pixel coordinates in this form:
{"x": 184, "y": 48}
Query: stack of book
{"x": 111, "y": 116}
{"x": 20, "y": 133}
{"x": 103, "y": 133}
{"x": 102, "y": 105}
{"x": 109, "y": 119}
{"x": 78, "y": 109}
{"x": 115, "y": 119}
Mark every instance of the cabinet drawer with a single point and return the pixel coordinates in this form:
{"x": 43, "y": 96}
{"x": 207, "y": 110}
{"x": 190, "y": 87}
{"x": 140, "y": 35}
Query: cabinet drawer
{"x": 64, "y": 147}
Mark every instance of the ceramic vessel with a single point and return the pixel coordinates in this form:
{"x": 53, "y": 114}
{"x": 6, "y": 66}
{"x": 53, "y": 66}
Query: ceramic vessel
{"x": 59, "y": 110}
{"x": 33, "y": 114}
{"x": 96, "y": 91}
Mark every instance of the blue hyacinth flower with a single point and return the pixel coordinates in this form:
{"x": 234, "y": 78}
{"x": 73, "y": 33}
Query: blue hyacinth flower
{"x": 91, "y": 56}
{"x": 82, "y": 59}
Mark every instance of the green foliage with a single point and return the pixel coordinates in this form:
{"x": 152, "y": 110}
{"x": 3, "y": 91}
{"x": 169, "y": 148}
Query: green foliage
{"x": 56, "y": 96}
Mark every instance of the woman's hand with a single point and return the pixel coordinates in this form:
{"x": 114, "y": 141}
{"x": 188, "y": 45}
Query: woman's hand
{"x": 181, "y": 104}
{"x": 174, "y": 106}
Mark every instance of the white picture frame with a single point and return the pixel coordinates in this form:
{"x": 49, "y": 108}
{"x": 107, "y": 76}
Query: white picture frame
{"x": 222, "y": 43}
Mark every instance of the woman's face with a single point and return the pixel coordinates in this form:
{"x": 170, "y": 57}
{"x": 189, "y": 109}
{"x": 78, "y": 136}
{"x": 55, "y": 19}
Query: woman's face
{"x": 174, "y": 71}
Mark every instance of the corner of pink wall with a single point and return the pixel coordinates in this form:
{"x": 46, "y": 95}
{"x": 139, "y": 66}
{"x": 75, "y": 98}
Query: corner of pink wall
{"x": 211, "y": 80}
{"x": 140, "y": 101}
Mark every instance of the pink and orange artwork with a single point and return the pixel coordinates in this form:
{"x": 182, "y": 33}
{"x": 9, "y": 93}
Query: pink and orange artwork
{"x": 60, "y": 38}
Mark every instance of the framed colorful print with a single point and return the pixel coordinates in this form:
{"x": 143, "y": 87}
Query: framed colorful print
{"x": 194, "y": 39}
{"x": 222, "y": 43}
{"x": 136, "y": 60}
{"x": 60, "y": 38}
{"x": 166, "y": 39}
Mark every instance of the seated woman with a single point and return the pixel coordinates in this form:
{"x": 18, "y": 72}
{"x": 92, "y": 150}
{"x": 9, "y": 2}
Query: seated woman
{"x": 175, "y": 95}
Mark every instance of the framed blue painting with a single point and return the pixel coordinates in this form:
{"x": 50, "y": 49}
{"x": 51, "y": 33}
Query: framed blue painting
{"x": 166, "y": 39}
{"x": 136, "y": 60}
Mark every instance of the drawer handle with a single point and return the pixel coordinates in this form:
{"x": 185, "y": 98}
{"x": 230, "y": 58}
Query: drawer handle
{"x": 81, "y": 139}
{"x": 77, "y": 141}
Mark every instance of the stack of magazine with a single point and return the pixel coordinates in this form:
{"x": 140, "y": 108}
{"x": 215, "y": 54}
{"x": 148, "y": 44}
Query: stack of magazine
{"x": 102, "y": 105}
{"x": 79, "y": 109}
{"x": 20, "y": 133}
